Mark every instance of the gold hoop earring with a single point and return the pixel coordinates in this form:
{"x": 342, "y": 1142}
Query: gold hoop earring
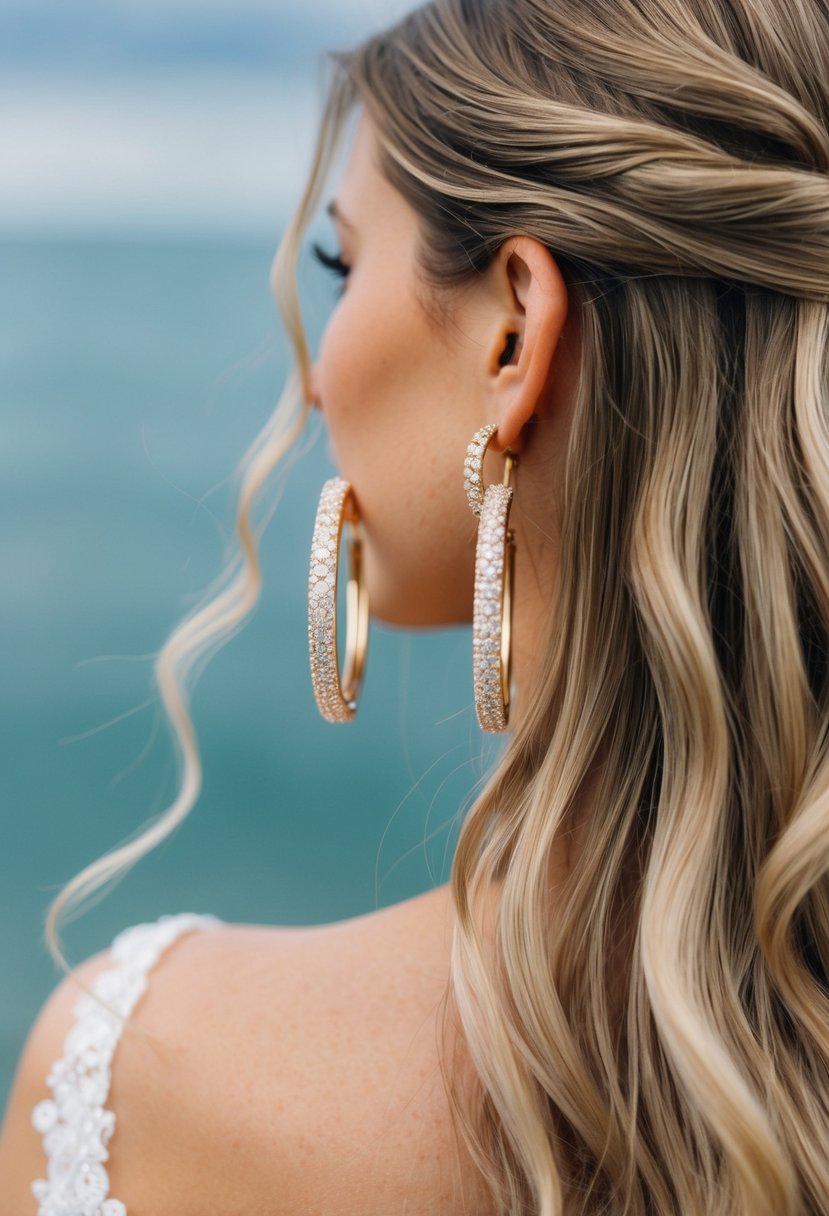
{"x": 336, "y": 699}
{"x": 494, "y": 577}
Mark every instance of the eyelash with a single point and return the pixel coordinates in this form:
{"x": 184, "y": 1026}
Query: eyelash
{"x": 332, "y": 262}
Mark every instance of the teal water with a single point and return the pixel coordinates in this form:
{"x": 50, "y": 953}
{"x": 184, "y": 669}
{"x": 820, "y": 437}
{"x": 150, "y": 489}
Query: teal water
{"x": 133, "y": 375}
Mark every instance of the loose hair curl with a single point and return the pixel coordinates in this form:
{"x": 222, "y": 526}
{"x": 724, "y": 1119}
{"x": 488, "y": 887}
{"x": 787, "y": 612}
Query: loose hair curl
{"x": 651, "y": 1034}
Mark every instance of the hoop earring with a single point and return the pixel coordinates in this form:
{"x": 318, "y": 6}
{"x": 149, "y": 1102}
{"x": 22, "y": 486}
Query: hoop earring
{"x": 336, "y": 699}
{"x": 494, "y": 576}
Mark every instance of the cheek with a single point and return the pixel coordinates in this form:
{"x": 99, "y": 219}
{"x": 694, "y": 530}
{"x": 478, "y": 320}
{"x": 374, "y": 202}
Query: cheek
{"x": 397, "y": 432}
{"x": 339, "y": 369}
{"x": 353, "y": 352}
{"x": 370, "y": 375}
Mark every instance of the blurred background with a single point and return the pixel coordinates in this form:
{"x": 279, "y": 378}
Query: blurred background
{"x": 150, "y": 152}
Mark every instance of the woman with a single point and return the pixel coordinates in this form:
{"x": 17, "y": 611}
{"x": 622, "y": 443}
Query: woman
{"x": 593, "y": 239}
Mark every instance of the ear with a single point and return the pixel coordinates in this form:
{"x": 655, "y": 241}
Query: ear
{"x": 535, "y": 303}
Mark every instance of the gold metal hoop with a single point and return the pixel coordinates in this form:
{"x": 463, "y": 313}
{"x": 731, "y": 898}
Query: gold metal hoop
{"x": 336, "y": 698}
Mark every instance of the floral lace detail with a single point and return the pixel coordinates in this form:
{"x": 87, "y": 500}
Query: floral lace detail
{"x": 75, "y": 1126}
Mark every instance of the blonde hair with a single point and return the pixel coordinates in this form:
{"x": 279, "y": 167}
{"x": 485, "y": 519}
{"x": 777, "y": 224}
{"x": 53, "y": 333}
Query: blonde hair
{"x": 651, "y": 1035}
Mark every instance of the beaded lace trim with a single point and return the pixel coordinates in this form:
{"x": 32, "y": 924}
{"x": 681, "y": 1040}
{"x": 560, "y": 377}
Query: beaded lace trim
{"x": 75, "y": 1126}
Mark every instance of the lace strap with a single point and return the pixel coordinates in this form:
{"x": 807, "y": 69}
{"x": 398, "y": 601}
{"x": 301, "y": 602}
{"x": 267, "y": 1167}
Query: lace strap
{"x": 74, "y": 1125}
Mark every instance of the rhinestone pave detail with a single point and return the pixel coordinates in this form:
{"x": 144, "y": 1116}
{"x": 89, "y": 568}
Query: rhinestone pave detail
{"x": 473, "y": 466}
{"x": 487, "y": 617}
{"x": 322, "y": 603}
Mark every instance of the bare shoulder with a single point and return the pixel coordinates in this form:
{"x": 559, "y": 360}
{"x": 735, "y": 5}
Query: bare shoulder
{"x": 293, "y": 1062}
{"x": 283, "y": 1071}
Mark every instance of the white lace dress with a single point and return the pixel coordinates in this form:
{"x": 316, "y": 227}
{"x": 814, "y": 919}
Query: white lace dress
{"x": 75, "y": 1125}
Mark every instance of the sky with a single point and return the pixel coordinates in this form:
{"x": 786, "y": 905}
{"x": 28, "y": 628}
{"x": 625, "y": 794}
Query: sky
{"x": 163, "y": 115}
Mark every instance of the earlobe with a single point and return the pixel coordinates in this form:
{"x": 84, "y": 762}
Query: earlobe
{"x": 528, "y": 340}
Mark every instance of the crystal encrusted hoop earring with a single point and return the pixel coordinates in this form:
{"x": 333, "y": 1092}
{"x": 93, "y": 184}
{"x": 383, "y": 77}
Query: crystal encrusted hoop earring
{"x": 336, "y": 699}
{"x": 494, "y": 574}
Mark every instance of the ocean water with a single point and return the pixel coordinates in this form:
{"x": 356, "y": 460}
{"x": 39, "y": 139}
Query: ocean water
{"x": 133, "y": 375}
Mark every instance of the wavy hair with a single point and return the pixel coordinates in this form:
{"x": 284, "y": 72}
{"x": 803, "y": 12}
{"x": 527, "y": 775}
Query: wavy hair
{"x": 650, "y": 1034}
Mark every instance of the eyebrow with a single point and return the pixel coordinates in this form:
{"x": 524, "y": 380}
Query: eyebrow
{"x": 335, "y": 211}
